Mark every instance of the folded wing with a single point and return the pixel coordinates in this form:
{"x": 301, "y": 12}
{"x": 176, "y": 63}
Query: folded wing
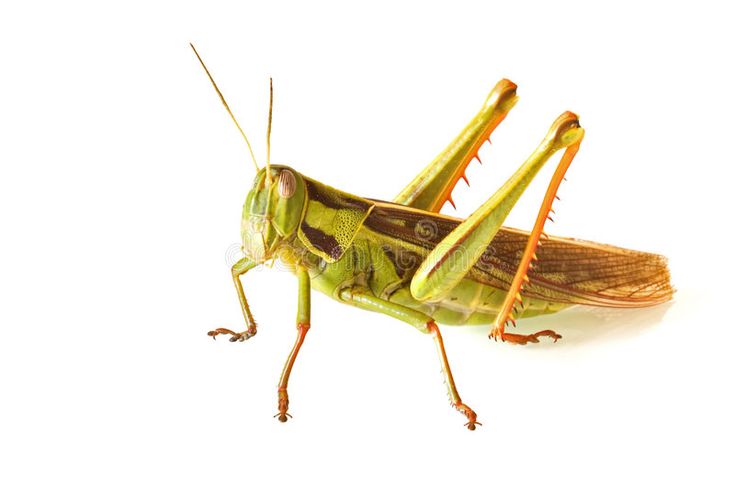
{"x": 567, "y": 271}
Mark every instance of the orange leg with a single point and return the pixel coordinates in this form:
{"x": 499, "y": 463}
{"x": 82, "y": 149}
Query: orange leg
{"x": 302, "y": 328}
{"x": 529, "y": 255}
{"x": 303, "y": 317}
{"x": 451, "y": 387}
{"x": 424, "y": 324}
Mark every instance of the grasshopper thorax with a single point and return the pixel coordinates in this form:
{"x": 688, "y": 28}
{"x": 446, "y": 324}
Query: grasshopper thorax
{"x": 272, "y": 211}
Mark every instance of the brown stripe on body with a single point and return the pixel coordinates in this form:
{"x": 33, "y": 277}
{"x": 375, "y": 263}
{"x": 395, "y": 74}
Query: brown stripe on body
{"x": 567, "y": 270}
{"x": 404, "y": 261}
{"x": 335, "y": 200}
{"x": 322, "y": 241}
{"x": 402, "y": 224}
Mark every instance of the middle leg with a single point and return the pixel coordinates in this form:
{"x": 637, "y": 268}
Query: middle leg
{"x": 364, "y": 299}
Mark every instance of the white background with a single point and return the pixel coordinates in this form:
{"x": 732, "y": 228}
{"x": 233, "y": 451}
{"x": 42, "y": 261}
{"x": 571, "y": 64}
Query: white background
{"x": 120, "y": 195}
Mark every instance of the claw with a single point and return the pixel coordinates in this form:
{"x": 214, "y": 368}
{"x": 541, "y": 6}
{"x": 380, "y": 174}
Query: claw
{"x": 533, "y": 338}
{"x": 282, "y": 416}
{"x": 469, "y": 413}
{"x": 234, "y": 336}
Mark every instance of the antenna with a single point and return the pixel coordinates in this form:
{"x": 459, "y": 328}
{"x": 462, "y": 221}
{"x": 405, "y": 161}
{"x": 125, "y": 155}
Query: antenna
{"x": 224, "y": 102}
{"x": 268, "y": 136}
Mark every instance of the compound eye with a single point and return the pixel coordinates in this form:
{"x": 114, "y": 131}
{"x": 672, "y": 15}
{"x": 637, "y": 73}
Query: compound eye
{"x": 286, "y": 184}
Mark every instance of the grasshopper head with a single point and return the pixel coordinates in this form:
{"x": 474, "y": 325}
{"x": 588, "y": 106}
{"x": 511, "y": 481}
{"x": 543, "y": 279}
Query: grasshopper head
{"x": 274, "y": 206}
{"x": 272, "y": 211}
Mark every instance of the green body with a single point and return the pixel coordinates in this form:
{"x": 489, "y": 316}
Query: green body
{"x": 405, "y": 260}
{"x": 383, "y": 261}
{"x": 455, "y": 271}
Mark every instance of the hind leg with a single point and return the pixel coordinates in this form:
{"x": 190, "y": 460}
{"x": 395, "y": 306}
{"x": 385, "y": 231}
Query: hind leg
{"x": 452, "y": 258}
{"x": 431, "y": 188}
{"x": 513, "y": 297}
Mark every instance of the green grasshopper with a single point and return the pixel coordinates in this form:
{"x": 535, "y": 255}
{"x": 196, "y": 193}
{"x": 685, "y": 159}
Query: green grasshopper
{"x": 407, "y": 261}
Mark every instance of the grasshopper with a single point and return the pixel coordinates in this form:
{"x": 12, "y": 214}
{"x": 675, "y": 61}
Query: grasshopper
{"x": 406, "y": 260}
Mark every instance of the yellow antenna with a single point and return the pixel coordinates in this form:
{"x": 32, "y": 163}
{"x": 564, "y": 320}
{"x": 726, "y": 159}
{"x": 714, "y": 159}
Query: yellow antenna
{"x": 224, "y": 102}
{"x": 268, "y": 137}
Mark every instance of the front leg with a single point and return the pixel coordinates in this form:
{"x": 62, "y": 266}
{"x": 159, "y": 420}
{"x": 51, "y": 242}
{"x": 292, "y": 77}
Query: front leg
{"x": 303, "y": 322}
{"x": 240, "y": 268}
